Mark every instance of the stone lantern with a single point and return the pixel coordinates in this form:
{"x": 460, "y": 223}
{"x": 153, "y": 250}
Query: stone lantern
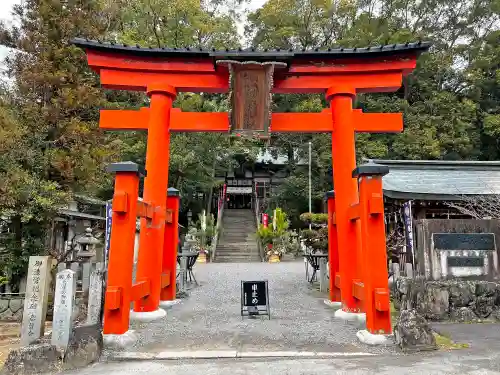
{"x": 87, "y": 245}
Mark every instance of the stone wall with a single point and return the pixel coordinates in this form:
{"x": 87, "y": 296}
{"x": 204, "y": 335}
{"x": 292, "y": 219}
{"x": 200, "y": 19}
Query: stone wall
{"x": 11, "y": 307}
{"x": 453, "y": 300}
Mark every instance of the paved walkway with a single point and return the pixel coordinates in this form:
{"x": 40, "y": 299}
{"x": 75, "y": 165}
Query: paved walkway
{"x": 442, "y": 363}
{"x": 209, "y": 319}
{"x": 482, "y": 338}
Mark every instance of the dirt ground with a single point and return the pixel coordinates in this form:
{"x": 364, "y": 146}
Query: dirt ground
{"x": 10, "y": 335}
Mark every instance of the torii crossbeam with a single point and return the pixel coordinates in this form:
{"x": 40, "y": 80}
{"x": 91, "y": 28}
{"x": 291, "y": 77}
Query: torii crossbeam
{"x": 250, "y": 77}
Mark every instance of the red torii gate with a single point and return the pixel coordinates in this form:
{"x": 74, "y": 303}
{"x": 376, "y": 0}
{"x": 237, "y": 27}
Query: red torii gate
{"x": 358, "y": 272}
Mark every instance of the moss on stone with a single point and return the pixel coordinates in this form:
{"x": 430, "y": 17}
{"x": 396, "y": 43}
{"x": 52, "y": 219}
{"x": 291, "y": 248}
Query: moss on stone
{"x": 447, "y": 343}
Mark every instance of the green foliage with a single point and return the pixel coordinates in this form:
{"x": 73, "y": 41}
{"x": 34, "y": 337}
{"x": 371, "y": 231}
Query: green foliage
{"x": 206, "y": 235}
{"x": 316, "y": 239}
{"x": 50, "y": 144}
{"x": 51, "y": 147}
{"x": 451, "y": 103}
{"x": 281, "y": 221}
{"x": 265, "y": 235}
{"x": 311, "y": 218}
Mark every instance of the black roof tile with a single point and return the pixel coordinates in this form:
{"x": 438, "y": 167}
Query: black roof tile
{"x": 253, "y": 53}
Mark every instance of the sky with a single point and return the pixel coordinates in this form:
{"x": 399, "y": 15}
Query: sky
{"x": 5, "y": 16}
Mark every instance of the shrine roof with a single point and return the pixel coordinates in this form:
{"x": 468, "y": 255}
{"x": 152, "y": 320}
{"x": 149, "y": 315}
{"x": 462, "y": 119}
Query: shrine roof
{"x": 440, "y": 180}
{"x": 253, "y": 53}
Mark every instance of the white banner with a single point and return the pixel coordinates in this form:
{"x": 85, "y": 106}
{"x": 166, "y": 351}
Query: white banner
{"x": 238, "y": 190}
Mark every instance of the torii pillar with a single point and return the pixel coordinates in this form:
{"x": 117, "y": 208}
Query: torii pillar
{"x": 346, "y": 191}
{"x": 149, "y": 263}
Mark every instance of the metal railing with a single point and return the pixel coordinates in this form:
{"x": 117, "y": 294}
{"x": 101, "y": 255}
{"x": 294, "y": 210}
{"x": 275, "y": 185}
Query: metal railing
{"x": 257, "y": 212}
{"x": 220, "y": 215}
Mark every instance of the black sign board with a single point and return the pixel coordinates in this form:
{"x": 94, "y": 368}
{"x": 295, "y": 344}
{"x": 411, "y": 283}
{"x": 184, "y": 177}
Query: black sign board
{"x": 465, "y": 261}
{"x": 464, "y": 241}
{"x": 255, "y": 298}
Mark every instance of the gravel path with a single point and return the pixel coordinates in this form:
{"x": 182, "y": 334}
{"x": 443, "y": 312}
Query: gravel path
{"x": 209, "y": 319}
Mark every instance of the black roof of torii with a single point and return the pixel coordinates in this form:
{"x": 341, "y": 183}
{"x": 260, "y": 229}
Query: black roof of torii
{"x": 255, "y": 54}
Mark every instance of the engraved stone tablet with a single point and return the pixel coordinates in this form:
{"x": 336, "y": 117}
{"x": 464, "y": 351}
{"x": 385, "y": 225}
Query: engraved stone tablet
{"x": 64, "y": 302}
{"x": 95, "y": 295}
{"x": 464, "y": 241}
{"x": 36, "y": 299}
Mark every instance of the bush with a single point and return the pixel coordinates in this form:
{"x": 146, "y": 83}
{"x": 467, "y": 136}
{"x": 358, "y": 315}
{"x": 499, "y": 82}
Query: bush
{"x": 265, "y": 235}
{"x": 316, "y": 239}
{"x": 310, "y": 218}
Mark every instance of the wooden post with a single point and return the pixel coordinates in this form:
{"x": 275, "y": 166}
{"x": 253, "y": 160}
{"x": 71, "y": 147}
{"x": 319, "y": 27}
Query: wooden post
{"x": 375, "y": 275}
{"x": 170, "y": 245}
{"x": 333, "y": 250}
{"x": 121, "y": 251}
{"x": 346, "y": 192}
{"x": 149, "y": 263}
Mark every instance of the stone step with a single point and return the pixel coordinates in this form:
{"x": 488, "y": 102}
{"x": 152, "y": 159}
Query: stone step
{"x": 232, "y": 228}
{"x": 236, "y": 242}
{"x": 227, "y": 244}
{"x": 237, "y": 235}
{"x": 232, "y": 260}
{"x": 240, "y": 245}
{"x": 237, "y": 251}
{"x": 237, "y": 248}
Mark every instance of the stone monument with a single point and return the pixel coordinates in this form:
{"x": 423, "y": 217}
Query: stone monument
{"x": 36, "y": 299}
{"x": 64, "y": 302}
{"x": 95, "y": 295}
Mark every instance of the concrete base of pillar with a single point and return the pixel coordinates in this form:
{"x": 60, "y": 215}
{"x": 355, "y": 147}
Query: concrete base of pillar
{"x": 333, "y": 304}
{"x": 147, "y": 316}
{"x": 122, "y": 341}
{"x": 169, "y": 304}
{"x": 372, "y": 339}
{"x": 362, "y": 318}
{"x": 349, "y": 317}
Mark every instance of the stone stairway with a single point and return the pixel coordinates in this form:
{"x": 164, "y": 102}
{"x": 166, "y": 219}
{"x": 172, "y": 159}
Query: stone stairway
{"x": 238, "y": 242}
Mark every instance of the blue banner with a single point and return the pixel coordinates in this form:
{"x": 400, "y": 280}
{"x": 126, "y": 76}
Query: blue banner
{"x": 408, "y": 221}
{"x": 109, "y": 213}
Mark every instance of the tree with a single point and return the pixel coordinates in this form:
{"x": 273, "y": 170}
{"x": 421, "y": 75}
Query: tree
{"x": 179, "y": 23}
{"x": 450, "y": 102}
{"x": 51, "y": 145}
{"x": 196, "y": 158}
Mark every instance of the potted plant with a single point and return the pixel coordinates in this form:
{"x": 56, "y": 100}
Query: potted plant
{"x": 204, "y": 234}
{"x": 274, "y": 240}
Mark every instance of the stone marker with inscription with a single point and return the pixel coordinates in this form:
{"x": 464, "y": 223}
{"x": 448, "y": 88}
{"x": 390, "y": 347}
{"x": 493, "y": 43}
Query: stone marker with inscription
{"x": 36, "y": 299}
{"x": 95, "y": 295}
{"x": 63, "y": 308}
{"x": 462, "y": 255}
{"x": 86, "y": 271}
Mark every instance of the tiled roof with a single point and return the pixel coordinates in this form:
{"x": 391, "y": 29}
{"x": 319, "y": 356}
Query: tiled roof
{"x": 253, "y": 53}
{"x": 440, "y": 180}
{"x": 266, "y": 156}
